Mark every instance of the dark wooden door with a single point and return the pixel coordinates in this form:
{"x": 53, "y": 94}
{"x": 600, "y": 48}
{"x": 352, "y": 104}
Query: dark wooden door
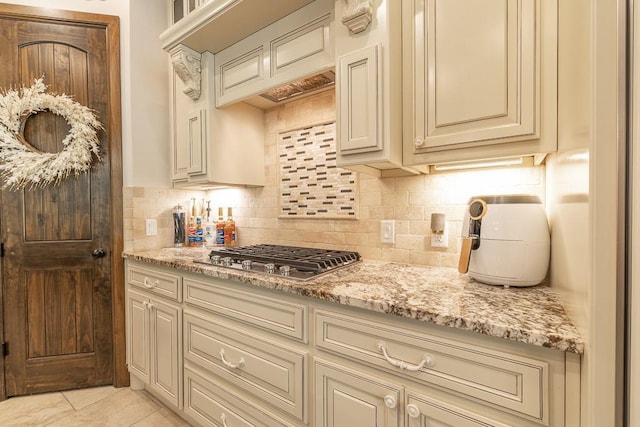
{"x": 58, "y": 316}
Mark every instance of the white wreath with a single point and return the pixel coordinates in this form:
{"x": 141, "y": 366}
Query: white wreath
{"x": 21, "y": 164}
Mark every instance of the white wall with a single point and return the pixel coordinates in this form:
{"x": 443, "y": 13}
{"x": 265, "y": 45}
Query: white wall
{"x": 147, "y": 162}
{"x": 144, "y": 73}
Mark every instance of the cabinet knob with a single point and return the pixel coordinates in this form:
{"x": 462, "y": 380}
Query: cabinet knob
{"x": 413, "y": 410}
{"x": 390, "y": 401}
{"x": 419, "y": 142}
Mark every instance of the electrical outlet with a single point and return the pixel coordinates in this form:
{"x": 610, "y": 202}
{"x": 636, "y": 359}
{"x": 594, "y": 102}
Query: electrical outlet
{"x": 440, "y": 240}
{"x": 387, "y": 231}
{"x": 151, "y": 227}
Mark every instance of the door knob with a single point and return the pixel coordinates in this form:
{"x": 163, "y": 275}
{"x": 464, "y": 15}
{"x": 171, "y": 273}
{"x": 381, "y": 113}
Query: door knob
{"x": 98, "y": 253}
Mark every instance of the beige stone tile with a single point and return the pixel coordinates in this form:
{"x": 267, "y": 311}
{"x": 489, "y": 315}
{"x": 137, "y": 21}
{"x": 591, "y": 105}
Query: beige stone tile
{"x": 35, "y": 410}
{"x": 86, "y": 396}
{"x": 162, "y": 418}
{"x": 123, "y": 408}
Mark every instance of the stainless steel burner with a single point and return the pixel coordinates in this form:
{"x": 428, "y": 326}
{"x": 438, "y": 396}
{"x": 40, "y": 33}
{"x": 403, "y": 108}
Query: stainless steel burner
{"x": 288, "y": 261}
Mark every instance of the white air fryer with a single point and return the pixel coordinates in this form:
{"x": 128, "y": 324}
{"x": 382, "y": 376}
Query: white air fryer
{"x": 505, "y": 240}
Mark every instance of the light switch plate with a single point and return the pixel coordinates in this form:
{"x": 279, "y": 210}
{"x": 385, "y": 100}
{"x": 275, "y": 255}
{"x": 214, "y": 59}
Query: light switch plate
{"x": 151, "y": 227}
{"x": 387, "y": 231}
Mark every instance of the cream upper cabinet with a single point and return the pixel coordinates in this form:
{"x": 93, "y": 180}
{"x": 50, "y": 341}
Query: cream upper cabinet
{"x": 297, "y": 46}
{"x": 369, "y": 87}
{"x": 214, "y": 146}
{"x": 480, "y": 79}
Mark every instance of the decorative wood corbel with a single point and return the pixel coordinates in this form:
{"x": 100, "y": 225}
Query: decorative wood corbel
{"x": 357, "y": 14}
{"x": 186, "y": 63}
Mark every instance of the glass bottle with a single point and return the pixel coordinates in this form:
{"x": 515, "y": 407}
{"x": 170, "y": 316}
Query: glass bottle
{"x": 230, "y": 229}
{"x": 178, "y": 226}
{"x": 220, "y": 228}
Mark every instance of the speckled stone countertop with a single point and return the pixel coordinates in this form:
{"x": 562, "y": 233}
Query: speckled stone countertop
{"x": 437, "y": 295}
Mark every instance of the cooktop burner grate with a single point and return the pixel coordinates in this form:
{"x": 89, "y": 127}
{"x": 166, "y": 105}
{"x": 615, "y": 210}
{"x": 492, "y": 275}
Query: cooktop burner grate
{"x": 296, "y": 262}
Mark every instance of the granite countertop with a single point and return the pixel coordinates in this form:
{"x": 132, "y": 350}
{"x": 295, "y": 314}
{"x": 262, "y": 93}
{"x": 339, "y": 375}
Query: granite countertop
{"x": 436, "y": 295}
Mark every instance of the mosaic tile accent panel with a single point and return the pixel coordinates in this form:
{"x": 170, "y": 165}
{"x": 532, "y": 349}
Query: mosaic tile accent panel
{"x": 311, "y": 184}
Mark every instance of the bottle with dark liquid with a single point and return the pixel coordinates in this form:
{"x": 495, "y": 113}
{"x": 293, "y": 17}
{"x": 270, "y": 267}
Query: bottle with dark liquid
{"x": 178, "y": 226}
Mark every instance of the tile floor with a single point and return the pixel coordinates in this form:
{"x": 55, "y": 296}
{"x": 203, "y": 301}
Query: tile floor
{"x": 100, "y": 406}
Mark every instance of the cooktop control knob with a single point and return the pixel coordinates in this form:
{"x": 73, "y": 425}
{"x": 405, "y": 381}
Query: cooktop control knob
{"x": 285, "y": 270}
{"x": 215, "y": 259}
{"x": 227, "y": 261}
{"x": 246, "y": 264}
{"x": 270, "y": 268}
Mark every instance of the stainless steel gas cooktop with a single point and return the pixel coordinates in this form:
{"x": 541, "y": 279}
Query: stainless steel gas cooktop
{"x": 289, "y": 261}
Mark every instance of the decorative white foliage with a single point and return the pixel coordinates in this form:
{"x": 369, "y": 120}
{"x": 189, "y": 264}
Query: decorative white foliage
{"x": 21, "y": 164}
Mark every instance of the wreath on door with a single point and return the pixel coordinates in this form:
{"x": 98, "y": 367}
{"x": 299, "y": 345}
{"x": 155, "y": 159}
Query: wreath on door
{"x": 23, "y": 165}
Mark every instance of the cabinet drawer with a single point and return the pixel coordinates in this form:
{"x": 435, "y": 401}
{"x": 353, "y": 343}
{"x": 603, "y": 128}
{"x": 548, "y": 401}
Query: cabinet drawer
{"x": 155, "y": 282}
{"x": 281, "y": 317}
{"x": 213, "y": 405}
{"x": 507, "y": 381}
{"x": 265, "y": 369}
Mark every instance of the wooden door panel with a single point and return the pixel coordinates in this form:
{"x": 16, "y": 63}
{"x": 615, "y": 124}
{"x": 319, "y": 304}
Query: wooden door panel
{"x": 59, "y": 312}
{"x": 46, "y": 219}
{"x": 57, "y": 298}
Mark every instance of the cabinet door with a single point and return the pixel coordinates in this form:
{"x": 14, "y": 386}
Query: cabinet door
{"x": 346, "y": 398}
{"x": 472, "y": 74}
{"x": 359, "y": 102}
{"x": 166, "y": 350}
{"x": 425, "y": 411}
{"x": 138, "y": 335}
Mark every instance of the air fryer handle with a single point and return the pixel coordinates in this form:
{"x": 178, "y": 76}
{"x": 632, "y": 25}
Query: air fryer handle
{"x": 465, "y": 255}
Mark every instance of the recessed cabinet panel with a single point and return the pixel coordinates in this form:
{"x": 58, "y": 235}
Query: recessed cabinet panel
{"x": 293, "y": 47}
{"x": 138, "y": 335}
{"x": 264, "y": 369}
{"x": 155, "y": 282}
{"x": 273, "y": 315}
{"x": 348, "y": 398}
{"x": 197, "y": 143}
{"x": 245, "y": 69}
{"x": 214, "y": 404}
{"x": 480, "y": 80}
{"x": 426, "y": 411}
{"x": 360, "y": 106}
{"x": 166, "y": 337}
{"x": 478, "y": 88}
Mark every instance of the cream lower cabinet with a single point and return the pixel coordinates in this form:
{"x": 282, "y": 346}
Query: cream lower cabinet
{"x": 249, "y": 356}
{"x": 346, "y": 397}
{"x": 154, "y": 330}
{"x": 154, "y": 333}
{"x": 478, "y": 88}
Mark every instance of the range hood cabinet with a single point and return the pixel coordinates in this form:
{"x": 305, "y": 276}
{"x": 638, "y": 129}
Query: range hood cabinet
{"x": 218, "y": 24}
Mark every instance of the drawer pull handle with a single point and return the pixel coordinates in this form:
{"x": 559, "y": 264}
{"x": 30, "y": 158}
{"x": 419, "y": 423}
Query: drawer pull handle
{"x": 230, "y": 365}
{"x": 150, "y": 285}
{"x": 390, "y": 401}
{"x": 223, "y": 420}
{"x": 427, "y": 360}
{"x": 413, "y": 410}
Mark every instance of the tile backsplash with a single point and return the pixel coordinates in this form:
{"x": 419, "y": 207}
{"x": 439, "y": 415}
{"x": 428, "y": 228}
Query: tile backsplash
{"x": 409, "y": 201}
